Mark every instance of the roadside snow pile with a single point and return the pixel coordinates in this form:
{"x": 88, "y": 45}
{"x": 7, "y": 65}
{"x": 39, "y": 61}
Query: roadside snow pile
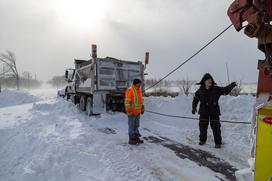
{"x": 53, "y": 140}
{"x": 236, "y": 137}
{"x": 59, "y": 142}
{"x": 16, "y": 97}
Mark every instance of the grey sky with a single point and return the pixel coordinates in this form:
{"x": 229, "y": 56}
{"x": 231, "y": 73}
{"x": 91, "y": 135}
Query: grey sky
{"x": 47, "y": 34}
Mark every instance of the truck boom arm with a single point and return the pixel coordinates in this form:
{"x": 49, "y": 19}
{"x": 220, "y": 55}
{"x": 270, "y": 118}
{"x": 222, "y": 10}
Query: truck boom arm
{"x": 242, "y": 10}
{"x": 258, "y": 15}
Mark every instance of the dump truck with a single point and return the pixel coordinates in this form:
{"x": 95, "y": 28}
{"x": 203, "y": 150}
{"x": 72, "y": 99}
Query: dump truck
{"x": 99, "y": 84}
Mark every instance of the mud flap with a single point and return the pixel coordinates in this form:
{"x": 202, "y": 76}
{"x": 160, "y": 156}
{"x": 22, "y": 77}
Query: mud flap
{"x": 99, "y": 102}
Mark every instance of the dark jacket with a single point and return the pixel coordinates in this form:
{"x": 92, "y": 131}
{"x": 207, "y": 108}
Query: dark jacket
{"x": 209, "y": 98}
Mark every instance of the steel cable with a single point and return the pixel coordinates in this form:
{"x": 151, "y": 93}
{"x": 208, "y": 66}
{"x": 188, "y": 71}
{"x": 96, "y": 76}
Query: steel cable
{"x": 193, "y": 118}
{"x": 190, "y": 58}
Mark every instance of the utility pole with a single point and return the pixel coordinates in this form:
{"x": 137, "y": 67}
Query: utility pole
{"x": 28, "y": 76}
{"x": 227, "y": 68}
{"x": 1, "y": 80}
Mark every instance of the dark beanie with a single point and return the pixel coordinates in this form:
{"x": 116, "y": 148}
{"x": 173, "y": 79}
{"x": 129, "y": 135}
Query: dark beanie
{"x": 206, "y": 77}
{"x": 136, "y": 81}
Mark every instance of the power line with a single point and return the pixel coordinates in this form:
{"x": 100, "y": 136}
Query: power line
{"x": 192, "y": 118}
{"x": 200, "y": 50}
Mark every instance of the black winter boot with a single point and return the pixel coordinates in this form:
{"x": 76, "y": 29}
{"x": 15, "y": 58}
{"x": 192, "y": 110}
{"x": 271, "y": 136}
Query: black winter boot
{"x": 132, "y": 141}
{"x": 202, "y": 143}
{"x": 139, "y": 140}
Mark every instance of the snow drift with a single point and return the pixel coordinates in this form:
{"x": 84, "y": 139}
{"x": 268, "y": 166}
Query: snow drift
{"x": 16, "y": 97}
{"x": 53, "y": 140}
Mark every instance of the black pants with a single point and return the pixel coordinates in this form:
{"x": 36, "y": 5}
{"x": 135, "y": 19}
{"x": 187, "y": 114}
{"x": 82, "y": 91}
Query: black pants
{"x": 215, "y": 125}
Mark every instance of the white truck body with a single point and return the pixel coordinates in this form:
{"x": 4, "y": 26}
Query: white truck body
{"x": 102, "y": 81}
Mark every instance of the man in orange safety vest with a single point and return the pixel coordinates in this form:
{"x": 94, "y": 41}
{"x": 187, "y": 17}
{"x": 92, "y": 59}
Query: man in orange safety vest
{"x": 134, "y": 108}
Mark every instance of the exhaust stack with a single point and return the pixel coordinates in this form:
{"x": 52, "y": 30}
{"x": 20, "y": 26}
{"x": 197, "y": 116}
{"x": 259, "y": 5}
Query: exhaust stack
{"x": 94, "y": 52}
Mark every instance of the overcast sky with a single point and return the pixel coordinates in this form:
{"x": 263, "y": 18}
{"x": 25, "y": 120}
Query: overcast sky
{"x": 46, "y": 35}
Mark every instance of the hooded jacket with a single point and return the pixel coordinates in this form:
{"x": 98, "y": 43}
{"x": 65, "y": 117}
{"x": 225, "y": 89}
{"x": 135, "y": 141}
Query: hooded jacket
{"x": 209, "y": 98}
{"x": 206, "y": 77}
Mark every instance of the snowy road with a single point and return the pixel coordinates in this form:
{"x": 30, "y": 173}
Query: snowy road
{"x": 50, "y": 139}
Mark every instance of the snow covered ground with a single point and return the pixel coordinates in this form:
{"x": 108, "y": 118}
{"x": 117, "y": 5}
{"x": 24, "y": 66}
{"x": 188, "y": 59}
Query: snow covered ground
{"x": 14, "y": 97}
{"x": 43, "y": 137}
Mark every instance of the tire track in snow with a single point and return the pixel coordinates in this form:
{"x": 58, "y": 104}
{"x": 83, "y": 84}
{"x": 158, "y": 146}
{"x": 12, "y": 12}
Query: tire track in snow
{"x": 203, "y": 158}
{"x": 125, "y": 165}
{"x": 122, "y": 165}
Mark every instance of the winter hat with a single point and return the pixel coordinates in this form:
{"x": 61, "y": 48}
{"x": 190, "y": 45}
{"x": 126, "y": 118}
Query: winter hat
{"x": 206, "y": 77}
{"x": 136, "y": 81}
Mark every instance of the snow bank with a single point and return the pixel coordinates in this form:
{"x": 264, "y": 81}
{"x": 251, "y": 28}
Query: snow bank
{"x": 236, "y": 137}
{"x": 246, "y": 88}
{"x": 15, "y": 97}
{"x": 59, "y": 142}
{"x": 53, "y": 140}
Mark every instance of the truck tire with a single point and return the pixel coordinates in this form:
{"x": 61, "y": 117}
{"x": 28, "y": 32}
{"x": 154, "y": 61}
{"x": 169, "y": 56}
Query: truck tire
{"x": 89, "y": 106}
{"x": 67, "y": 96}
{"x": 73, "y": 99}
{"x": 82, "y": 103}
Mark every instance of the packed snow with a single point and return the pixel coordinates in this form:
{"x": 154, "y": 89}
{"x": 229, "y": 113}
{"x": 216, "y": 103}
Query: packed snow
{"x": 14, "y": 97}
{"x": 236, "y": 137}
{"x": 44, "y": 137}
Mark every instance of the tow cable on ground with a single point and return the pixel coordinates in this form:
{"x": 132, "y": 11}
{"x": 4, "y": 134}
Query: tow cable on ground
{"x": 193, "y": 118}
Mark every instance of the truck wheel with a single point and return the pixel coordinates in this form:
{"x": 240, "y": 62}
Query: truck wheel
{"x": 89, "y": 106}
{"x": 73, "y": 99}
{"x": 67, "y": 96}
{"x": 82, "y": 103}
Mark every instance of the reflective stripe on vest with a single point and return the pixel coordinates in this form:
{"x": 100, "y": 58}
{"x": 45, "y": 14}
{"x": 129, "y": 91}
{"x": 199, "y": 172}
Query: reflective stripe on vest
{"x": 135, "y": 95}
{"x": 136, "y": 102}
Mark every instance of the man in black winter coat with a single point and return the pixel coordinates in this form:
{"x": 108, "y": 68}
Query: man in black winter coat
{"x": 208, "y": 95}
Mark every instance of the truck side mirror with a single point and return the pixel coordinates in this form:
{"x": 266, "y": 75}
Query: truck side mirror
{"x": 66, "y": 75}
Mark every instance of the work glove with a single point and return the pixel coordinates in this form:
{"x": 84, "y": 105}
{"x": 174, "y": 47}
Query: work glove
{"x": 143, "y": 109}
{"x": 233, "y": 84}
{"x": 193, "y": 111}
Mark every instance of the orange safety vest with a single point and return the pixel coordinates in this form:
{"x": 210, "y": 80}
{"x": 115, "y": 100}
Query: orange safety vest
{"x": 133, "y": 101}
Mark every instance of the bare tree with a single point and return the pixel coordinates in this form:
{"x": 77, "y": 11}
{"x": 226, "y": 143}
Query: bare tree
{"x": 185, "y": 86}
{"x": 27, "y": 76}
{"x": 9, "y": 60}
{"x": 4, "y": 70}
